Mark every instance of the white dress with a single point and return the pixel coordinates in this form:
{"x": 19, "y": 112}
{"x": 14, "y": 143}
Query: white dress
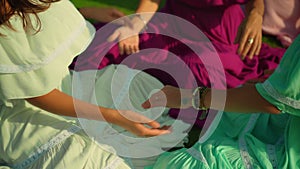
{"x": 33, "y": 64}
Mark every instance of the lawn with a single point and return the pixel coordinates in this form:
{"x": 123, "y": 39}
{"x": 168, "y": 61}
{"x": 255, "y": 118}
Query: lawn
{"x": 129, "y": 6}
{"x": 126, "y": 6}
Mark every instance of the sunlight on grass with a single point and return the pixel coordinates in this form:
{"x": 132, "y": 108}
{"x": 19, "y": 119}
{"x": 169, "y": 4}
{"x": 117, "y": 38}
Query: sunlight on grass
{"x": 129, "y": 6}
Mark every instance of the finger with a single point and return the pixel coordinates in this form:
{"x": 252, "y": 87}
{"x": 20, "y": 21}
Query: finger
{"x": 127, "y": 49}
{"x": 135, "y": 48}
{"x": 258, "y": 45}
{"x": 245, "y": 50}
{"x": 132, "y": 49}
{"x": 114, "y": 36}
{"x": 153, "y": 124}
{"x": 121, "y": 48}
{"x": 243, "y": 39}
{"x": 244, "y": 43}
{"x": 248, "y": 44}
{"x": 155, "y": 132}
{"x": 252, "y": 49}
{"x": 166, "y": 128}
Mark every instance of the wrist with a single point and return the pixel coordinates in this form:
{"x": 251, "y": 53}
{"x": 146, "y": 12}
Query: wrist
{"x": 255, "y": 7}
{"x": 187, "y": 98}
{"x": 139, "y": 22}
{"x": 109, "y": 115}
{"x": 115, "y": 117}
{"x": 198, "y": 99}
{"x": 257, "y": 12}
{"x": 206, "y": 98}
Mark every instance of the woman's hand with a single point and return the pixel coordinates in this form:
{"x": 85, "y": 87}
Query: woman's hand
{"x": 249, "y": 35}
{"x": 128, "y": 40}
{"x": 136, "y": 123}
{"x": 60, "y": 103}
{"x": 171, "y": 97}
{"x": 127, "y": 37}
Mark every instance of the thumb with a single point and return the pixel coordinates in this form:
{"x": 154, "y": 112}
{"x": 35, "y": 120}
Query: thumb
{"x": 153, "y": 124}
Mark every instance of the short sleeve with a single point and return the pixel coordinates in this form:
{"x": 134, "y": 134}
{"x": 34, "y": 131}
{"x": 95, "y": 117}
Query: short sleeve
{"x": 282, "y": 88}
{"x": 33, "y": 64}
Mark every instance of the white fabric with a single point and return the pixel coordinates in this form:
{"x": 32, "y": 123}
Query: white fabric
{"x": 126, "y": 89}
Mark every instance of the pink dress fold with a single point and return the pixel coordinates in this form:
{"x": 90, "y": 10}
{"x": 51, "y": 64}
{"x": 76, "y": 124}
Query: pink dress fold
{"x": 282, "y": 19}
{"x": 219, "y": 21}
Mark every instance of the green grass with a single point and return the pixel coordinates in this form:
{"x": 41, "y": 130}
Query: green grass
{"x": 271, "y": 40}
{"x": 129, "y": 6}
{"x": 126, "y": 6}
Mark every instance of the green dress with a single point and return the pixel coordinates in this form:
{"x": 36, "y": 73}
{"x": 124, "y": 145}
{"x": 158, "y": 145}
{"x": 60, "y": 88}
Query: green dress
{"x": 255, "y": 140}
{"x": 32, "y": 64}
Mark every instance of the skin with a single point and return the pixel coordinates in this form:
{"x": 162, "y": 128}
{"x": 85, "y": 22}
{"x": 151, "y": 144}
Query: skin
{"x": 237, "y": 100}
{"x": 128, "y": 34}
{"x": 62, "y": 104}
{"x": 251, "y": 27}
{"x": 101, "y": 14}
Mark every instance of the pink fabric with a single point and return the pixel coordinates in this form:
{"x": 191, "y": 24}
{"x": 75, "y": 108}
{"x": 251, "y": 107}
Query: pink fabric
{"x": 219, "y": 21}
{"x": 282, "y": 19}
{"x": 211, "y": 3}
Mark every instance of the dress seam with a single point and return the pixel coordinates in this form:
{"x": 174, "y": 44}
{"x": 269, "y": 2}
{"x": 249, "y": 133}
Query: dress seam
{"x": 242, "y": 142}
{"x": 59, "y": 138}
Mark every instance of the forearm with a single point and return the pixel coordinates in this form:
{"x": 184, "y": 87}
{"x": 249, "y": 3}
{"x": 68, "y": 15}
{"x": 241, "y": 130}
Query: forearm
{"x": 245, "y": 99}
{"x": 256, "y": 6}
{"x": 62, "y": 104}
{"x": 148, "y": 6}
{"x": 88, "y": 12}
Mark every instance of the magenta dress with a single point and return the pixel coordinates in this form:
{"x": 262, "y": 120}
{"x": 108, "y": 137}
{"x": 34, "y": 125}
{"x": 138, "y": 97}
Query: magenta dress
{"x": 219, "y": 21}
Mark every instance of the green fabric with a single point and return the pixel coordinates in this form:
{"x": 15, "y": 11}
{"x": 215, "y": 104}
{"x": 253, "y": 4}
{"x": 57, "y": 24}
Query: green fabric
{"x": 259, "y": 140}
{"x": 33, "y": 65}
{"x": 80, "y": 152}
{"x": 282, "y": 88}
{"x": 27, "y": 58}
{"x": 39, "y": 139}
{"x": 117, "y": 86}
